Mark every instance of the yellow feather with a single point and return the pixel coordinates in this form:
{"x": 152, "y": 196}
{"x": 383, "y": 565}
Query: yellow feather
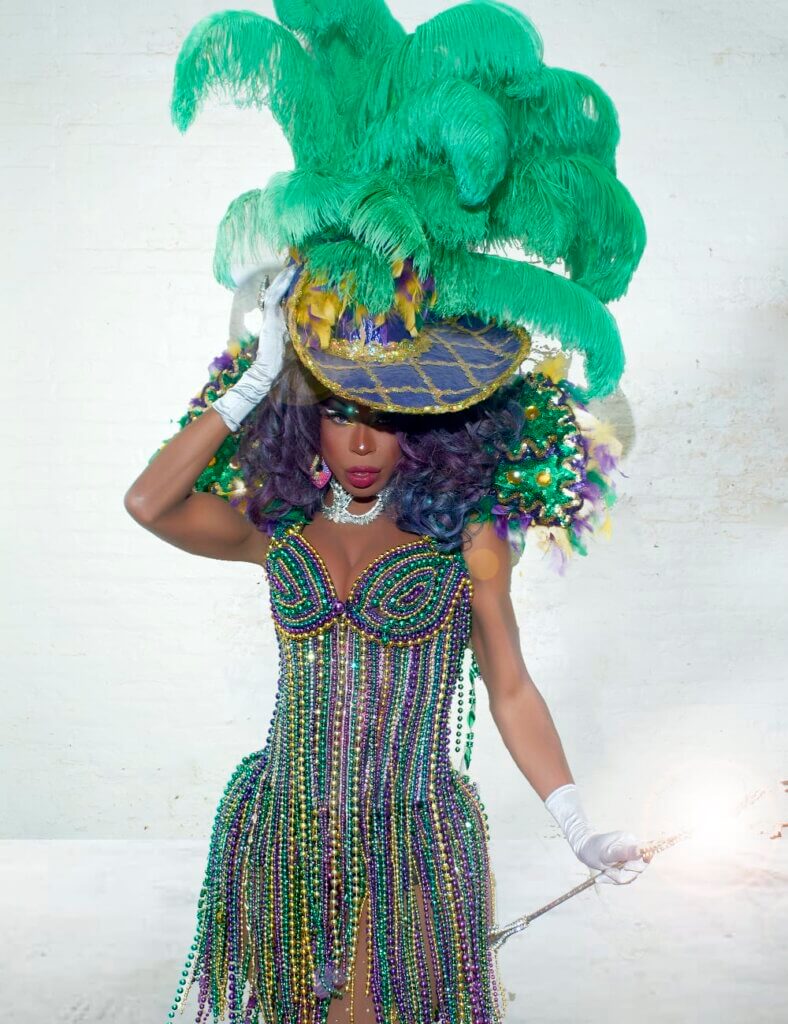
{"x": 324, "y": 305}
{"x": 555, "y": 367}
{"x": 323, "y": 332}
{"x": 561, "y": 538}
{"x": 541, "y": 536}
{"x": 545, "y": 536}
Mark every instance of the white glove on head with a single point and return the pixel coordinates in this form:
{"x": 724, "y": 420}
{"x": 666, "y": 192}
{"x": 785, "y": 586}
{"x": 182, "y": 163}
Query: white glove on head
{"x": 255, "y": 383}
{"x": 600, "y": 850}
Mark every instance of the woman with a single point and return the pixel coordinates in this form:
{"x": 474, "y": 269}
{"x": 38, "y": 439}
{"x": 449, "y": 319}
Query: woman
{"x": 349, "y": 857}
{"x": 385, "y": 462}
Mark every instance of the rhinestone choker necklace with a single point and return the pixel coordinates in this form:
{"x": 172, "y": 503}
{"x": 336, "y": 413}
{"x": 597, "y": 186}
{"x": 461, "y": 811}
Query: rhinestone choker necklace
{"x": 338, "y": 511}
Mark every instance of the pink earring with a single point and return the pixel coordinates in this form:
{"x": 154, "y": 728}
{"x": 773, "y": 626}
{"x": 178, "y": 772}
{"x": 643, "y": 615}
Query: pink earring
{"x": 319, "y": 473}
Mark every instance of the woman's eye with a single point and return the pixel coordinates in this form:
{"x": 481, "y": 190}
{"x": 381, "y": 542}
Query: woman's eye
{"x": 382, "y": 422}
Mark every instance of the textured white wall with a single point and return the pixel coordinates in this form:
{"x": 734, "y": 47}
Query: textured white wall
{"x": 135, "y": 676}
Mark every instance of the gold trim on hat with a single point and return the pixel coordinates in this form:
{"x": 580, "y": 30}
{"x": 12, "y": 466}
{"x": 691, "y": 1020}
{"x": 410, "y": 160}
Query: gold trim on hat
{"x": 387, "y": 405}
{"x": 407, "y": 352}
{"x": 359, "y": 350}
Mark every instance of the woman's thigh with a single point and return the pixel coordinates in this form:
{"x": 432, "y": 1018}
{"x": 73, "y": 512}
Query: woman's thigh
{"x": 356, "y": 996}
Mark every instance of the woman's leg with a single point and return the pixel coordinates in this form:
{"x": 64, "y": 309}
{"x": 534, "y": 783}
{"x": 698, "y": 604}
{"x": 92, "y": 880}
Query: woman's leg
{"x": 363, "y": 1010}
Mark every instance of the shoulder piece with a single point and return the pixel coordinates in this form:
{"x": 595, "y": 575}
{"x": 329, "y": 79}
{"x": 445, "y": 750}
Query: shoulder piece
{"x": 554, "y": 482}
{"x": 222, "y": 475}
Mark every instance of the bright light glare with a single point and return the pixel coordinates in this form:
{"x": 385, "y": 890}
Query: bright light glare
{"x": 711, "y": 817}
{"x": 705, "y": 799}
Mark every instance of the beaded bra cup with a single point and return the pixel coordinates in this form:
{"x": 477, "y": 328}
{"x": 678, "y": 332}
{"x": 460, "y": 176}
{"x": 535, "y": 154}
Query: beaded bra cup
{"x": 402, "y": 597}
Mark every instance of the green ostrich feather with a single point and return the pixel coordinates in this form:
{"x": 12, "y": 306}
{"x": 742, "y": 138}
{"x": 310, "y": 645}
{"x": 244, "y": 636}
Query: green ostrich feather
{"x": 437, "y": 145}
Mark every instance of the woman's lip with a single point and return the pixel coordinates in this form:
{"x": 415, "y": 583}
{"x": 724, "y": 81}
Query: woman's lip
{"x": 365, "y": 475}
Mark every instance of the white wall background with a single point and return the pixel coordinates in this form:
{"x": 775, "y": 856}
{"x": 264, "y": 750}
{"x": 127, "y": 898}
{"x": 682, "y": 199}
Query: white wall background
{"x": 136, "y": 676}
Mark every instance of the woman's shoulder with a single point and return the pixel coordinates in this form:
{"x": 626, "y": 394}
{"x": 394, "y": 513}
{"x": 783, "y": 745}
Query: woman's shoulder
{"x": 487, "y": 554}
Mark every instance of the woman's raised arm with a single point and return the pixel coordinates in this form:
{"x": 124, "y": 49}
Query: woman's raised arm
{"x": 163, "y": 501}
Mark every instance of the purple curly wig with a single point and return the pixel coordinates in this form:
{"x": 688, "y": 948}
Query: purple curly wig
{"x": 446, "y": 465}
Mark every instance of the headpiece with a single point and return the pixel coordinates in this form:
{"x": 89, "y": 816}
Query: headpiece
{"x": 416, "y": 155}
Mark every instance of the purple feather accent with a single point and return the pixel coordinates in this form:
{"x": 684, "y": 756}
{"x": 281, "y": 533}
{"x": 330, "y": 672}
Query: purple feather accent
{"x": 501, "y": 527}
{"x": 320, "y": 989}
{"x": 558, "y": 559}
{"x": 517, "y": 542}
{"x": 607, "y": 461}
{"x": 335, "y": 976}
{"x": 221, "y": 362}
{"x": 591, "y": 490}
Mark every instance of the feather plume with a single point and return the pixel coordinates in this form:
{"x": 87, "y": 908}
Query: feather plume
{"x": 449, "y": 141}
{"x": 514, "y": 291}
{"x": 249, "y": 59}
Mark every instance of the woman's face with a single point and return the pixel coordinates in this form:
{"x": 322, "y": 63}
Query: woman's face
{"x": 355, "y": 437}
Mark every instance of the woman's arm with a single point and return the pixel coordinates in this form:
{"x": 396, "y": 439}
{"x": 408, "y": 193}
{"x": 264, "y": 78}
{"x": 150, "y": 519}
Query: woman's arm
{"x": 163, "y": 501}
{"x": 523, "y": 719}
{"x": 518, "y": 708}
{"x": 162, "y": 498}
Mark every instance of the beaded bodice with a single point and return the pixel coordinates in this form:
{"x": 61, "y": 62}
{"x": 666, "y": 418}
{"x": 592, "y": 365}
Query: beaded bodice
{"x": 353, "y": 798}
{"x": 381, "y": 665}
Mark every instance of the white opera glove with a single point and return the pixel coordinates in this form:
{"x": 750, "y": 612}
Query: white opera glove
{"x": 595, "y": 849}
{"x": 255, "y": 383}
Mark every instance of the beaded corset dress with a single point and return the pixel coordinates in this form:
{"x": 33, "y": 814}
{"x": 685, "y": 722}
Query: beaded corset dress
{"x": 352, "y": 800}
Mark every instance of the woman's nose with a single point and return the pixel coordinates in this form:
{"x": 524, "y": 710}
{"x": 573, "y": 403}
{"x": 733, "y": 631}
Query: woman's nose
{"x": 363, "y": 439}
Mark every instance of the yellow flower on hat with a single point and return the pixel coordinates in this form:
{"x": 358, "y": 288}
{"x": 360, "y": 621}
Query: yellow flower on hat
{"x": 324, "y": 305}
{"x": 317, "y": 311}
{"x": 408, "y": 297}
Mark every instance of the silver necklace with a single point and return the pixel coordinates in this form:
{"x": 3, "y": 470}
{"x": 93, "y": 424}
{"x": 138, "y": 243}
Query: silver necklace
{"x": 338, "y": 511}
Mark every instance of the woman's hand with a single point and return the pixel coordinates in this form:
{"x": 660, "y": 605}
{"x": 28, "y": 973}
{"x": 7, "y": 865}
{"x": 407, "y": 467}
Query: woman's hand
{"x": 605, "y": 849}
{"x": 270, "y": 347}
{"x": 253, "y": 385}
{"x": 616, "y": 854}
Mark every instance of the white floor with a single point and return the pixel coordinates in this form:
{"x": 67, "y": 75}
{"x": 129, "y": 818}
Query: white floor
{"x": 98, "y": 931}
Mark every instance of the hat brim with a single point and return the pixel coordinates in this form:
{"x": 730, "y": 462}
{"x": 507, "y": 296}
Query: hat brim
{"x": 458, "y": 361}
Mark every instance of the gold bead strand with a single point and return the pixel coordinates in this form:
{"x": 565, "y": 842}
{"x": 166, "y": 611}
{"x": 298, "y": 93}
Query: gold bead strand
{"x": 302, "y": 697}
